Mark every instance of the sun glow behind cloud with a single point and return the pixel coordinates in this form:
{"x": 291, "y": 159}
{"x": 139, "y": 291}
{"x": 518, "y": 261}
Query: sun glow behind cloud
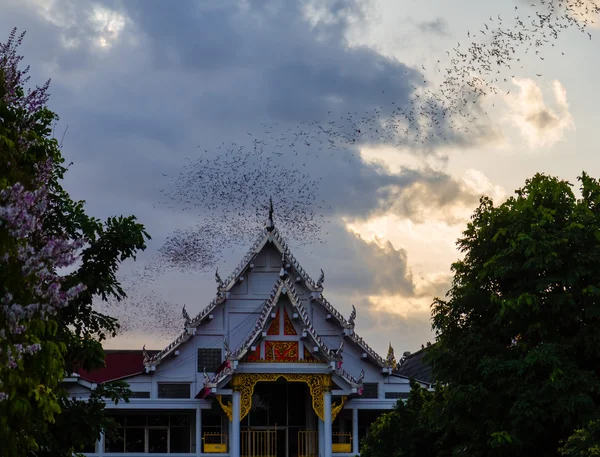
{"x": 108, "y": 25}
{"x": 428, "y": 237}
{"x": 97, "y": 24}
{"x": 541, "y": 124}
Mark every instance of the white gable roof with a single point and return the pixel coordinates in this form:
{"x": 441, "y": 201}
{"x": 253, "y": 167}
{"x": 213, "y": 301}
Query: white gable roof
{"x": 271, "y": 235}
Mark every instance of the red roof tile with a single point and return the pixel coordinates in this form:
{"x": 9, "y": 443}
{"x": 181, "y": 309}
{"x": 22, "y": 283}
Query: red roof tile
{"x": 120, "y": 363}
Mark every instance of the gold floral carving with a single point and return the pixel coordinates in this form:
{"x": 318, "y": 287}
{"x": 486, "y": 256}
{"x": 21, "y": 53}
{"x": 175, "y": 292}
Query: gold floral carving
{"x": 227, "y": 408}
{"x": 274, "y": 327}
{"x": 308, "y": 357}
{"x": 245, "y": 383}
{"x": 288, "y": 327}
{"x": 335, "y": 409}
{"x": 281, "y": 351}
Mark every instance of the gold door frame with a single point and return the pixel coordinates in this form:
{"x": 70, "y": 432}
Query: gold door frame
{"x": 245, "y": 383}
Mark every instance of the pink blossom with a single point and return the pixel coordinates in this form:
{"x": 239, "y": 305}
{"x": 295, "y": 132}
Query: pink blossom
{"x": 38, "y": 255}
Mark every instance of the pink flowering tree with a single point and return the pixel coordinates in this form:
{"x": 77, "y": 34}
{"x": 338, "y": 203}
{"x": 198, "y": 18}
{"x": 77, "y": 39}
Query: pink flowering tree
{"x": 48, "y": 326}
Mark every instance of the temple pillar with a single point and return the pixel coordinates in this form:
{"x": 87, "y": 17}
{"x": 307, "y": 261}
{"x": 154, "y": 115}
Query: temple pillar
{"x": 327, "y": 422}
{"x": 355, "y": 431}
{"x": 235, "y": 425}
{"x": 198, "y": 430}
{"x": 321, "y": 429}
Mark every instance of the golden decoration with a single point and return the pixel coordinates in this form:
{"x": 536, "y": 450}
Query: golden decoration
{"x": 274, "y": 327}
{"x": 227, "y": 408}
{"x": 253, "y": 356}
{"x": 390, "y": 359}
{"x": 308, "y": 357}
{"x": 281, "y": 351}
{"x": 288, "y": 327}
{"x": 245, "y": 383}
{"x": 335, "y": 409}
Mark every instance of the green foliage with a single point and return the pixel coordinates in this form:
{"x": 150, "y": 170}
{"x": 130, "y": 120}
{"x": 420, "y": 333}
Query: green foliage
{"x": 584, "y": 442}
{"x": 519, "y": 338}
{"x": 407, "y": 431}
{"x": 39, "y": 418}
{"x": 82, "y": 421}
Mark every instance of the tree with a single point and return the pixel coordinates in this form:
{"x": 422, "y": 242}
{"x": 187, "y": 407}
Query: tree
{"x": 584, "y": 442}
{"x": 407, "y": 431}
{"x": 48, "y": 324}
{"x": 518, "y": 339}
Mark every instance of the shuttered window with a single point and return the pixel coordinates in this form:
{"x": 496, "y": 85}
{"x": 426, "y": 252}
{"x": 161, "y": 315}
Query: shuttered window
{"x": 393, "y": 395}
{"x": 370, "y": 390}
{"x": 173, "y": 390}
{"x": 209, "y": 358}
{"x": 140, "y": 394}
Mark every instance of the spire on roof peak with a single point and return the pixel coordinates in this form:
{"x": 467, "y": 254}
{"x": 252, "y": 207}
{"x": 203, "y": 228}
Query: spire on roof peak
{"x": 391, "y": 359}
{"x": 270, "y": 223}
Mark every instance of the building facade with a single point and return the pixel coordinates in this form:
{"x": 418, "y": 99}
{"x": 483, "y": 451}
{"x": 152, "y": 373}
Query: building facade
{"x": 268, "y": 369}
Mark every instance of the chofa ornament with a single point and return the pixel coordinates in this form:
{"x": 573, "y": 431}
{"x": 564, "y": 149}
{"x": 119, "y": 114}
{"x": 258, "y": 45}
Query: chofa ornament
{"x": 352, "y": 317}
{"x": 186, "y": 316}
{"x": 218, "y": 278}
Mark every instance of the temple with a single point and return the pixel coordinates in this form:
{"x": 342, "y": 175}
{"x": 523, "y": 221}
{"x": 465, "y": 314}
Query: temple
{"x": 268, "y": 369}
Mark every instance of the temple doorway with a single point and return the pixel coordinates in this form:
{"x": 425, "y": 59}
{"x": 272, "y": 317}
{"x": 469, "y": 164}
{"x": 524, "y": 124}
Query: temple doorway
{"x": 281, "y": 422}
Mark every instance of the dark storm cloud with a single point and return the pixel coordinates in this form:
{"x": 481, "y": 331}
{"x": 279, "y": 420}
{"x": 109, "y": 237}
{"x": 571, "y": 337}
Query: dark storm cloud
{"x": 363, "y": 190}
{"x": 272, "y": 58}
{"x": 358, "y": 266}
{"x": 184, "y": 77}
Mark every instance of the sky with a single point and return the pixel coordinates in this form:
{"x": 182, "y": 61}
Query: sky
{"x": 141, "y": 87}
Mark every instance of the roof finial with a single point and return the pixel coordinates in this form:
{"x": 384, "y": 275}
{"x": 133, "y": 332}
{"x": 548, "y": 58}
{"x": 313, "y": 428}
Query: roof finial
{"x": 390, "y": 359}
{"x": 186, "y": 316}
{"x": 283, "y": 272}
{"x": 270, "y": 223}
{"x": 352, "y": 317}
{"x": 218, "y": 278}
{"x": 226, "y": 347}
{"x": 321, "y": 279}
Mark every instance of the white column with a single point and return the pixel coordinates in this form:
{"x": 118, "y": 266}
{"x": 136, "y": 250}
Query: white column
{"x": 327, "y": 422}
{"x": 100, "y": 445}
{"x": 321, "y": 436}
{"x": 198, "y": 430}
{"x": 235, "y": 425}
{"x": 355, "y": 431}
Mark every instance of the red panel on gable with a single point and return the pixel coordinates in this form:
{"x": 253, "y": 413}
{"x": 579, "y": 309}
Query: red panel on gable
{"x": 281, "y": 351}
{"x": 253, "y": 356}
{"x": 274, "y": 327}
{"x": 119, "y": 364}
{"x": 288, "y": 327}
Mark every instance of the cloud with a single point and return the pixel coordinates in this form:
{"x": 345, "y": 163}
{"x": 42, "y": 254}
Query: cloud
{"x": 437, "y": 26}
{"x": 406, "y": 332}
{"x": 360, "y": 266}
{"x": 542, "y": 125}
{"x": 144, "y": 84}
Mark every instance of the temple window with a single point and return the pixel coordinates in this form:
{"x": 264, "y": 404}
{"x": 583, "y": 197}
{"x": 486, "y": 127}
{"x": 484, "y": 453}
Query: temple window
{"x": 140, "y": 394}
{"x": 370, "y": 390}
{"x": 173, "y": 390}
{"x": 210, "y": 359}
{"x": 153, "y": 432}
{"x": 393, "y": 395}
